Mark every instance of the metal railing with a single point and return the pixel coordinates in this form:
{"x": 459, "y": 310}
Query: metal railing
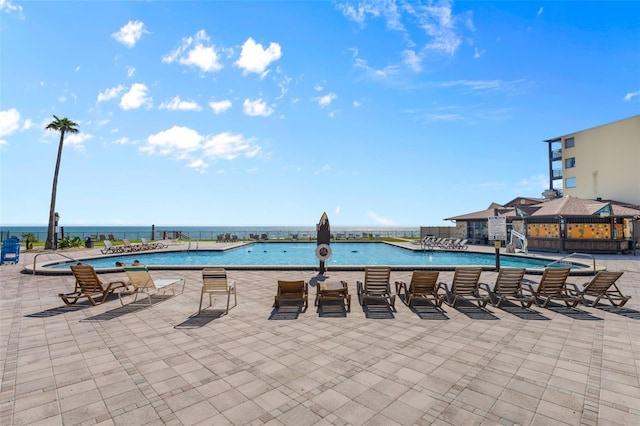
{"x": 562, "y": 260}
{"x": 50, "y": 252}
{"x": 242, "y": 234}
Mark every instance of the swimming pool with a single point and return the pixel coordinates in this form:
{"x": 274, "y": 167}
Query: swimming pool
{"x": 303, "y": 255}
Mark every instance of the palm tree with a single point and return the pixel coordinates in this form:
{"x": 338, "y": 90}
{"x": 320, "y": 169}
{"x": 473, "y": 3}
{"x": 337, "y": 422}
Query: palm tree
{"x": 62, "y": 125}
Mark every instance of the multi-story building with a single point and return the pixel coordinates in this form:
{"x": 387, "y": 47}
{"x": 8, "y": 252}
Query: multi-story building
{"x": 602, "y": 162}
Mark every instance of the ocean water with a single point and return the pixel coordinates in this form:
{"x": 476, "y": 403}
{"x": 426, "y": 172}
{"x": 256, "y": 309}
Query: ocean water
{"x": 205, "y": 232}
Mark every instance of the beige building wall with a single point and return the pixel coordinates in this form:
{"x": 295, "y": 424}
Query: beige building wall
{"x": 607, "y": 162}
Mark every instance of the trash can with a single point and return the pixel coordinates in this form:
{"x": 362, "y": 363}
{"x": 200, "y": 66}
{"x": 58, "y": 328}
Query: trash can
{"x": 88, "y": 243}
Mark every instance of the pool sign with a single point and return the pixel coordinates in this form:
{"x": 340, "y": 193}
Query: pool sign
{"x": 497, "y": 228}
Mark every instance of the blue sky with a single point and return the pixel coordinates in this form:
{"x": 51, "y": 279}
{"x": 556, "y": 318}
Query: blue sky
{"x": 270, "y": 113}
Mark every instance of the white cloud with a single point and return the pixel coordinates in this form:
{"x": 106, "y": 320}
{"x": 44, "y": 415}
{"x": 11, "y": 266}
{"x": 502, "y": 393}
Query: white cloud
{"x": 435, "y": 19}
{"x": 177, "y": 139}
{"x": 130, "y": 33}
{"x": 27, "y": 124}
{"x": 358, "y": 13}
{"x": 135, "y": 97}
{"x": 326, "y": 100}
{"x": 337, "y": 210}
{"x": 130, "y": 71}
{"x": 357, "y": 104}
{"x": 474, "y": 84}
{"x": 111, "y": 93}
{"x": 256, "y": 108}
{"x": 199, "y": 165}
{"x": 7, "y": 6}
{"x": 540, "y": 11}
{"x": 631, "y": 95}
{"x": 380, "y": 220}
{"x": 219, "y": 107}
{"x": 77, "y": 68}
{"x": 184, "y": 143}
{"x": 478, "y": 52}
{"x": 176, "y": 104}
{"x": 124, "y": 141}
{"x": 77, "y": 140}
{"x": 388, "y": 71}
{"x": 229, "y": 146}
{"x": 9, "y": 123}
{"x": 411, "y": 60}
{"x": 196, "y": 51}
{"x": 255, "y": 59}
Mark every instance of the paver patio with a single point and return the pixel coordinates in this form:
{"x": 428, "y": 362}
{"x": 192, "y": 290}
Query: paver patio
{"x": 165, "y": 364}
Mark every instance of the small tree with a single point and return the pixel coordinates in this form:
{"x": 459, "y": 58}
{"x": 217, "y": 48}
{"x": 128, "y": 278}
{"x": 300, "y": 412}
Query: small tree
{"x": 62, "y": 125}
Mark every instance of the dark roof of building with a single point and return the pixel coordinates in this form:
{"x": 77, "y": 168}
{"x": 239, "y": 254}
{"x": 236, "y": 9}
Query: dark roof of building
{"x": 494, "y": 209}
{"x": 573, "y": 206}
{"x": 524, "y": 201}
{"x": 565, "y": 206}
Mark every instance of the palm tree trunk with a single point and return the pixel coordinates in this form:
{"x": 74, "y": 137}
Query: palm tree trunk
{"x": 49, "y": 244}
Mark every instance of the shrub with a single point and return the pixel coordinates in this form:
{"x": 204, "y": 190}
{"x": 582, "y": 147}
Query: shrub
{"x": 67, "y": 242}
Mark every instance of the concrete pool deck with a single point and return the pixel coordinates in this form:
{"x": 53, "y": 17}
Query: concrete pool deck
{"x": 167, "y": 365}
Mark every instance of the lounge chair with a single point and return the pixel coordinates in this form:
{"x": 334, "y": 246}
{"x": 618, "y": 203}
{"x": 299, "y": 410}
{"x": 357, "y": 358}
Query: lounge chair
{"x": 602, "y": 285}
{"x": 142, "y": 282}
{"x": 152, "y": 245}
{"x": 376, "y": 285}
{"x": 462, "y": 244}
{"x": 110, "y": 248}
{"x": 333, "y": 290}
{"x": 214, "y": 281}
{"x": 89, "y": 285}
{"x": 10, "y": 251}
{"x": 552, "y": 285}
{"x": 423, "y": 285}
{"x": 508, "y": 285}
{"x": 128, "y": 247}
{"x": 292, "y": 291}
{"x": 465, "y": 285}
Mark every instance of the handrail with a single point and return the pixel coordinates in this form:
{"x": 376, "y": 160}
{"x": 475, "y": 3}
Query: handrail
{"x": 522, "y": 238}
{"x": 50, "y": 252}
{"x": 574, "y": 255}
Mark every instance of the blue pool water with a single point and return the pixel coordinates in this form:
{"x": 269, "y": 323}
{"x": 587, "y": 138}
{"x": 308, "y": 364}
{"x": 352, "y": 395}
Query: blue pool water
{"x": 303, "y": 254}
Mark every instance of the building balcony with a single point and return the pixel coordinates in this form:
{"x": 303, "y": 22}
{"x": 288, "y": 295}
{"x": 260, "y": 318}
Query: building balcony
{"x": 556, "y": 154}
{"x": 556, "y": 174}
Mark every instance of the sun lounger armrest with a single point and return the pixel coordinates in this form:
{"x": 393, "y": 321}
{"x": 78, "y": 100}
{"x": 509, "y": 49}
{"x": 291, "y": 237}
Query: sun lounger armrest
{"x": 444, "y": 286}
{"x": 573, "y": 289}
{"x": 532, "y": 286}
{"x": 488, "y": 287}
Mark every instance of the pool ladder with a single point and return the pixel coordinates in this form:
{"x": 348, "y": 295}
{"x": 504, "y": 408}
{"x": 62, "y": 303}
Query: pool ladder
{"x": 197, "y": 245}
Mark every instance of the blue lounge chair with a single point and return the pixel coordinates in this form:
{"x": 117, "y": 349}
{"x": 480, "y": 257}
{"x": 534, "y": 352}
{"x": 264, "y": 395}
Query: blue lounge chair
{"x": 10, "y": 250}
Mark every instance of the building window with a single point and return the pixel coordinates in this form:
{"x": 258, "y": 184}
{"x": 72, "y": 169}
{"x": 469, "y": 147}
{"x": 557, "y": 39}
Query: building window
{"x": 569, "y": 143}
{"x": 569, "y": 162}
{"x": 570, "y": 182}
